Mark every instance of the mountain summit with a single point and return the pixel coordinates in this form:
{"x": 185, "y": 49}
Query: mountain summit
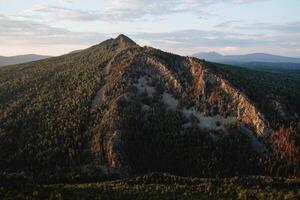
{"x": 125, "y": 41}
{"x": 120, "y": 108}
{"x": 118, "y": 43}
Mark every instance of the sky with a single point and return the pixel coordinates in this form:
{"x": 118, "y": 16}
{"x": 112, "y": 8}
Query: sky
{"x": 55, "y": 27}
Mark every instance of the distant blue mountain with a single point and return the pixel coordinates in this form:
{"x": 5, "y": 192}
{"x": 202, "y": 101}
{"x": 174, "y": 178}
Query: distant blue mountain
{"x": 255, "y": 60}
{"x": 255, "y": 57}
{"x": 20, "y": 59}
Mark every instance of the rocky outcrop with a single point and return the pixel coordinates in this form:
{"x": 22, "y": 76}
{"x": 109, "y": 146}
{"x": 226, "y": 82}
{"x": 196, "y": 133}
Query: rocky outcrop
{"x": 245, "y": 110}
{"x": 165, "y": 73}
{"x": 115, "y": 151}
{"x": 207, "y": 83}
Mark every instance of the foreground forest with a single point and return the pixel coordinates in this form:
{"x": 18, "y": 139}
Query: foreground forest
{"x": 160, "y": 186}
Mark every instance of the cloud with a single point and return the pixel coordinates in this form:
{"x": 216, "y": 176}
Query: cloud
{"x": 284, "y": 34}
{"x": 190, "y": 38}
{"x": 130, "y": 10}
{"x": 59, "y": 12}
{"x": 187, "y": 42}
{"x": 21, "y": 35}
{"x": 24, "y": 33}
{"x": 27, "y": 33}
{"x": 227, "y": 24}
{"x": 229, "y": 49}
{"x": 26, "y": 36}
{"x": 289, "y": 27}
{"x": 118, "y": 11}
{"x": 65, "y": 1}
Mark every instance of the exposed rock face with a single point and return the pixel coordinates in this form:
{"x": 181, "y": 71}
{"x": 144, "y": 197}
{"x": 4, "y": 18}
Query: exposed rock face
{"x": 165, "y": 73}
{"x": 207, "y": 83}
{"x": 114, "y": 150}
{"x": 245, "y": 110}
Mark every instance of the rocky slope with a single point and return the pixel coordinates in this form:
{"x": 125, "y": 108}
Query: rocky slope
{"x": 185, "y": 85}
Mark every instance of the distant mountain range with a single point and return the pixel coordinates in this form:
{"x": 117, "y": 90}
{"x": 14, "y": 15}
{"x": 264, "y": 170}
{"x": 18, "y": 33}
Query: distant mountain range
{"x": 252, "y": 60}
{"x": 254, "y": 57}
{"x": 20, "y": 59}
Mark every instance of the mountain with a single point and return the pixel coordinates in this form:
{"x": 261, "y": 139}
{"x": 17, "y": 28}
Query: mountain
{"x": 117, "y": 108}
{"x": 254, "y": 59}
{"x": 212, "y": 56}
{"x": 20, "y": 59}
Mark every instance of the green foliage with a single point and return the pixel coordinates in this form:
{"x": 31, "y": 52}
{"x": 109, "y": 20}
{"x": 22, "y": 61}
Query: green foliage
{"x": 165, "y": 186}
{"x": 156, "y": 141}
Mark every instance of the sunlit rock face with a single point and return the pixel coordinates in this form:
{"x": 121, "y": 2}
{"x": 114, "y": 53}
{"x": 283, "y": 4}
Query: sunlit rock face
{"x": 245, "y": 110}
{"x": 214, "y": 89}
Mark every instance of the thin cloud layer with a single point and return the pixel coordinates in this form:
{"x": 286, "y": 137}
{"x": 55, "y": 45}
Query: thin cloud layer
{"x": 69, "y": 26}
{"x": 30, "y": 32}
{"x": 129, "y": 10}
{"x": 190, "y": 41}
{"x": 25, "y": 32}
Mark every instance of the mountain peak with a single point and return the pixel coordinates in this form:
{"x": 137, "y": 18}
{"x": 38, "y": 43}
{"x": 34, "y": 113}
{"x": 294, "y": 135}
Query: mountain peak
{"x": 119, "y": 43}
{"x": 122, "y": 36}
{"x": 125, "y": 41}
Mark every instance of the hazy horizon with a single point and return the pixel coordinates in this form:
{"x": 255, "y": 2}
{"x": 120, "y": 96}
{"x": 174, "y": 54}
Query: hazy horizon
{"x": 180, "y": 26}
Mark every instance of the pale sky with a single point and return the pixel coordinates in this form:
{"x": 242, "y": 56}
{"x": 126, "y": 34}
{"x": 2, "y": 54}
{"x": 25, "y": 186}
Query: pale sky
{"x": 55, "y": 27}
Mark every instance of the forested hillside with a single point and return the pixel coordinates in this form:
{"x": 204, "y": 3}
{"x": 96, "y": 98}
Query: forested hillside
{"x": 118, "y": 109}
